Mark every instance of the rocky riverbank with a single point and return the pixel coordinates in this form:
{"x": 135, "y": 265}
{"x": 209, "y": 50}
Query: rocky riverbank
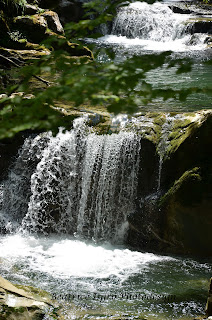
{"x": 18, "y": 302}
{"x": 24, "y": 26}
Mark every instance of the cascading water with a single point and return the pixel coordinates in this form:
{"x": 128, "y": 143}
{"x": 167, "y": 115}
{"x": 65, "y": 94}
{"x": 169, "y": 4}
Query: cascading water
{"x": 153, "y": 22}
{"x": 82, "y": 185}
{"x": 142, "y": 26}
{"x": 15, "y": 191}
{"x": 78, "y": 183}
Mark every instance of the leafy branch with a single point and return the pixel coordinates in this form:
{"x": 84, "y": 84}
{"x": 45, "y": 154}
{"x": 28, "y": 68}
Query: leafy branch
{"x": 80, "y": 80}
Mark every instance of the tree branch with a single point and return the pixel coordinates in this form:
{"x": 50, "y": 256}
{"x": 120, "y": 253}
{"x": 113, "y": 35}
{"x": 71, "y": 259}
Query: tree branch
{"x": 16, "y": 65}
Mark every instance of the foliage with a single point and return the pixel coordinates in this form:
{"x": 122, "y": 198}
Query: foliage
{"x": 120, "y": 87}
{"x": 12, "y": 6}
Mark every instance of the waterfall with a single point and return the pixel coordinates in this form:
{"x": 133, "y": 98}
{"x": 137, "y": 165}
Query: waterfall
{"x": 153, "y": 22}
{"x": 141, "y": 26}
{"x": 77, "y": 183}
{"x": 15, "y": 191}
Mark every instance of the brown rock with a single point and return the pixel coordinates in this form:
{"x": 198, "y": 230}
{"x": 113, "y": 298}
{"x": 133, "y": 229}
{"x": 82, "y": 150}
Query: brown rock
{"x": 53, "y": 21}
{"x": 24, "y": 303}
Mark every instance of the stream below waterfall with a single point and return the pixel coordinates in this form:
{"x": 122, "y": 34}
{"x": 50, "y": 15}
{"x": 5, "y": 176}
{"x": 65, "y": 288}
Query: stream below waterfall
{"x": 106, "y": 281}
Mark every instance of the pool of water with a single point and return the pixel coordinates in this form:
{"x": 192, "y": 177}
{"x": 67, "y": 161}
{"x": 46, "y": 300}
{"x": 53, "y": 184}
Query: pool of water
{"x": 106, "y": 280}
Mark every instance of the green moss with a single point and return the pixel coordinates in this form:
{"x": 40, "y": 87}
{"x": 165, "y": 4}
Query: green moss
{"x": 175, "y": 134}
{"x": 187, "y": 176}
{"x": 160, "y": 120}
{"x": 181, "y": 130}
{"x": 37, "y": 293}
{"x": 21, "y": 3}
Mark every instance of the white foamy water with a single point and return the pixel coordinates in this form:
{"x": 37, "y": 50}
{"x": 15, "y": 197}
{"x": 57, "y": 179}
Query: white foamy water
{"x": 137, "y": 44}
{"x": 66, "y": 266}
{"x": 154, "y": 27}
{"x": 75, "y": 183}
{"x": 64, "y": 258}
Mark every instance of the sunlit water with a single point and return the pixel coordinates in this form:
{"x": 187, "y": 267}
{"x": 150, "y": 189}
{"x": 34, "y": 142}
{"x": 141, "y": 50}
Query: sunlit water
{"x": 140, "y": 281}
{"x": 152, "y": 27}
{"x": 142, "y": 28}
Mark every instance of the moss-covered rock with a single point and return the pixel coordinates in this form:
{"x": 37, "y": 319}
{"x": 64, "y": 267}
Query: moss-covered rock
{"x": 32, "y": 27}
{"x": 35, "y": 27}
{"x": 187, "y": 218}
{"x": 53, "y": 21}
{"x": 176, "y": 215}
{"x": 22, "y": 303}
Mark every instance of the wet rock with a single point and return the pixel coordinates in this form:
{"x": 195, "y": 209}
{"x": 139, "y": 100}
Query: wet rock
{"x": 180, "y": 9}
{"x": 187, "y": 7}
{"x": 22, "y": 302}
{"x": 200, "y": 25}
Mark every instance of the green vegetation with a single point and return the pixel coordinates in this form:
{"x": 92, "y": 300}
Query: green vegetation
{"x": 187, "y": 176}
{"x": 81, "y": 80}
{"x": 13, "y": 6}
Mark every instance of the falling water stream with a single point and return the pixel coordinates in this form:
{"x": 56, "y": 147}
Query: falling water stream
{"x": 65, "y": 203}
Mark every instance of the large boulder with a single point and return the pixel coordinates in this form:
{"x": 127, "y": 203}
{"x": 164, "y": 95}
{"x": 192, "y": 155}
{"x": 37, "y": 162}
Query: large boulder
{"x": 187, "y": 217}
{"x": 177, "y": 217}
{"x": 36, "y": 28}
{"x": 32, "y": 27}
